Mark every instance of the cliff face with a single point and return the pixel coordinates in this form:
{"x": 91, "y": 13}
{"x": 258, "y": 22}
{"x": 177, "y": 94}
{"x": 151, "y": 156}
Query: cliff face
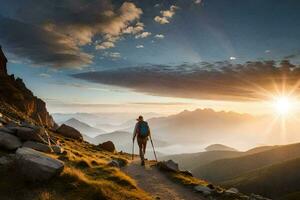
{"x": 14, "y": 93}
{"x": 3, "y": 61}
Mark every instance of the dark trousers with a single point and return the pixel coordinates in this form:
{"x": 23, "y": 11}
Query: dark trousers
{"x": 142, "y": 142}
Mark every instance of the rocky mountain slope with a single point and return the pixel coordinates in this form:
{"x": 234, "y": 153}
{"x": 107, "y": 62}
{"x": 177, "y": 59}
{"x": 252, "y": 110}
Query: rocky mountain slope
{"x": 14, "y": 96}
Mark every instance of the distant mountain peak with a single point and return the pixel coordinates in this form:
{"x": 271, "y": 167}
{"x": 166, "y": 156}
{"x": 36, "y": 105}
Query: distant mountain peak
{"x": 219, "y": 147}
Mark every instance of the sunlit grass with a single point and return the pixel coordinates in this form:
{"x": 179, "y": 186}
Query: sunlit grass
{"x": 86, "y": 176}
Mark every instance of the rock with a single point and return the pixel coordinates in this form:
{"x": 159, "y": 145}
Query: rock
{"x": 232, "y": 191}
{"x": 257, "y": 197}
{"x": 42, "y": 147}
{"x": 7, "y": 130}
{"x": 70, "y": 132}
{"x": 187, "y": 173}
{"x": 108, "y": 146}
{"x": 37, "y": 146}
{"x": 57, "y": 149}
{"x": 114, "y": 163}
{"x": 9, "y": 142}
{"x": 26, "y": 134}
{"x": 6, "y": 160}
{"x": 203, "y": 189}
{"x": 169, "y": 165}
{"x": 37, "y": 166}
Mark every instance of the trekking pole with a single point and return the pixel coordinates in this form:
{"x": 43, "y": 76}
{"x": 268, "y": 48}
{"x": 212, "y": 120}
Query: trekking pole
{"x": 132, "y": 149}
{"x": 153, "y": 148}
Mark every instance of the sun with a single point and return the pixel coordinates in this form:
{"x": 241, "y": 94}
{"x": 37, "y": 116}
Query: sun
{"x": 282, "y": 105}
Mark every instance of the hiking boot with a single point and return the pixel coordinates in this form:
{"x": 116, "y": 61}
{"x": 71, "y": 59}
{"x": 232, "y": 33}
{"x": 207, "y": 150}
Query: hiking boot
{"x": 143, "y": 163}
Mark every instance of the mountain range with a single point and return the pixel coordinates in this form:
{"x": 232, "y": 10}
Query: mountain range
{"x": 84, "y": 128}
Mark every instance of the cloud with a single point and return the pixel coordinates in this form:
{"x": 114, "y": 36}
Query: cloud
{"x": 53, "y": 33}
{"x": 40, "y": 46}
{"x": 44, "y": 75}
{"x": 159, "y": 36}
{"x": 105, "y": 45}
{"x": 166, "y": 15}
{"x": 113, "y": 55}
{"x": 197, "y": 1}
{"x": 143, "y": 35}
{"x": 216, "y": 81}
{"x": 232, "y": 58}
{"x": 139, "y": 46}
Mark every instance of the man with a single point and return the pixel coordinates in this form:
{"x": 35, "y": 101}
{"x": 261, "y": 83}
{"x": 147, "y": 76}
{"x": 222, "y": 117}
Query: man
{"x": 142, "y": 132}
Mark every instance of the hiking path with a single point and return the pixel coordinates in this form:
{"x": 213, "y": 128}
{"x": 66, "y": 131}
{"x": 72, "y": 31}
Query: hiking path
{"x": 158, "y": 184}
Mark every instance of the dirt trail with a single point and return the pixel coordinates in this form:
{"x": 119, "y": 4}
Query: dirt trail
{"x": 156, "y": 183}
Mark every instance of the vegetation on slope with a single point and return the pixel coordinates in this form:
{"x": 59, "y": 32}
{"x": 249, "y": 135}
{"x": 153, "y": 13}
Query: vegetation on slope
{"x": 86, "y": 176}
{"x": 279, "y": 181}
{"x": 226, "y": 169}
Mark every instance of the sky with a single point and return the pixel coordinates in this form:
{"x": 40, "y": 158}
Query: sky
{"x": 155, "y": 55}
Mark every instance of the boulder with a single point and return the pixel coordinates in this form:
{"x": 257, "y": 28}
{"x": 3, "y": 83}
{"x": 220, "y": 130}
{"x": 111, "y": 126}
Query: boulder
{"x": 57, "y": 149}
{"x": 69, "y": 132}
{"x": 37, "y": 166}
{"x": 37, "y": 146}
{"x": 9, "y": 142}
{"x": 7, "y": 130}
{"x": 42, "y": 147}
{"x": 232, "y": 191}
{"x": 25, "y": 133}
{"x": 6, "y": 160}
{"x": 187, "y": 173}
{"x": 203, "y": 189}
{"x": 257, "y": 197}
{"x": 169, "y": 165}
{"x": 114, "y": 163}
{"x": 108, "y": 146}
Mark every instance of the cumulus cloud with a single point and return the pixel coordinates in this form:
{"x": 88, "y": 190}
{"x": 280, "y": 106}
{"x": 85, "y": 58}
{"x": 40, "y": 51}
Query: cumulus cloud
{"x": 159, "y": 36}
{"x": 140, "y": 46}
{"x": 112, "y": 55}
{"x": 52, "y": 33}
{"x": 218, "y": 81}
{"x": 143, "y": 35}
{"x": 39, "y": 46}
{"x": 166, "y": 15}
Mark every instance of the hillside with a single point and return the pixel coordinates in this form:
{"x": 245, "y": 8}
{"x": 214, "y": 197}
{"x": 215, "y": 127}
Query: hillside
{"x": 219, "y": 147}
{"x": 84, "y": 128}
{"x": 226, "y": 169}
{"x": 194, "y": 160}
{"x": 278, "y": 181}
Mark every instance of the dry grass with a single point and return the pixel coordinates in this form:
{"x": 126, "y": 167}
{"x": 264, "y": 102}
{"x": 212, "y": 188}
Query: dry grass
{"x": 187, "y": 180}
{"x": 85, "y": 176}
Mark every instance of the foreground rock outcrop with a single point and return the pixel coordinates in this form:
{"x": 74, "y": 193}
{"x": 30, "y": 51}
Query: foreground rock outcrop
{"x": 35, "y": 165}
{"x": 69, "y": 132}
{"x": 108, "y": 146}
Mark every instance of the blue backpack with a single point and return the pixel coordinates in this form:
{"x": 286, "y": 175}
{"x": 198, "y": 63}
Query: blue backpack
{"x": 143, "y": 129}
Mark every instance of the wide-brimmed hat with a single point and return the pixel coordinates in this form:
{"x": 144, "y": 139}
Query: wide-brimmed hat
{"x": 140, "y": 118}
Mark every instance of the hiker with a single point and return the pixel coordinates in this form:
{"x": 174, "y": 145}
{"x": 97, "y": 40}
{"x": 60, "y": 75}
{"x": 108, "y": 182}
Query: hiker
{"x": 142, "y": 132}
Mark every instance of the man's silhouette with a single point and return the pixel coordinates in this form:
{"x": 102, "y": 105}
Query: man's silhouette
{"x": 142, "y": 132}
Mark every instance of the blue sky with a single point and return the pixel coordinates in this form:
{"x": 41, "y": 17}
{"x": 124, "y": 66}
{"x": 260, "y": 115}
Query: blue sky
{"x": 48, "y": 41}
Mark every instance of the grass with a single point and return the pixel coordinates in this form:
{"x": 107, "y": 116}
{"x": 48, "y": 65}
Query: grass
{"x": 85, "y": 176}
